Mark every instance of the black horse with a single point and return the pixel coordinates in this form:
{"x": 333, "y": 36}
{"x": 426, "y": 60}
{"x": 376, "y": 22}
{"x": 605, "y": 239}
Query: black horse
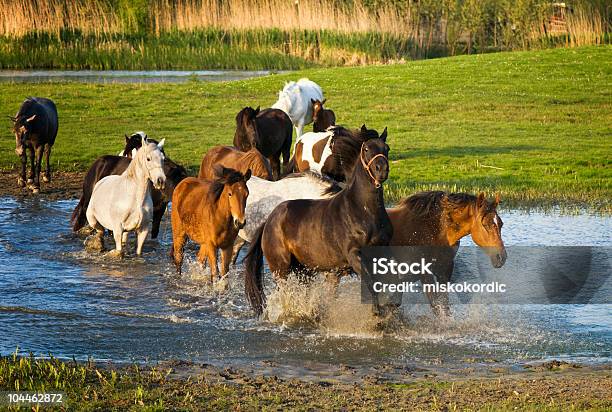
{"x": 35, "y": 126}
{"x": 269, "y": 130}
{"x": 115, "y": 165}
{"x": 325, "y": 234}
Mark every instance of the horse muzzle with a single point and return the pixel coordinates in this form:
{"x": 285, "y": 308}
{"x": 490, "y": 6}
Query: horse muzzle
{"x": 239, "y": 224}
{"x": 160, "y": 183}
{"x": 498, "y": 259}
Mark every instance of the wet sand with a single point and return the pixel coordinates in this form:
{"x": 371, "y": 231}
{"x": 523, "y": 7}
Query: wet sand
{"x": 63, "y": 185}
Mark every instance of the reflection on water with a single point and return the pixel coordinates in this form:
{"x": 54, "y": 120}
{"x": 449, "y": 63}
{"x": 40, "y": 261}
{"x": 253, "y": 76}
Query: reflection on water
{"x": 127, "y": 76}
{"x": 58, "y": 299}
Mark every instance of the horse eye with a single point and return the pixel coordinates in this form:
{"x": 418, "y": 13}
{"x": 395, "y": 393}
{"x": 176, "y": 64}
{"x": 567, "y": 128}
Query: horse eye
{"x": 230, "y": 195}
{"x": 148, "y": 159}
{"x": 366, "y": 149}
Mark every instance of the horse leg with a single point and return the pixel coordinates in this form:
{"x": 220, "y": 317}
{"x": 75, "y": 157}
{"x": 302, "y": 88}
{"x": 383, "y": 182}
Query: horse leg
{"x": 299, "y": 130}
{"x": 275, "y": 163}
{"x": 124, "y": 238}
{"x": 211, "y": 252}
{"x": 32, "y": 167}
{"x": 96, "y": 241}
{"x": 142, "y": 236}
{"x": 238, "y": 243}
{"x": 354, "y": 259}
{"x": 21, "y": 180}
{"x": 158, "y": 214}
{"x": 47, "y": 175}
{"x": 437, "y": 300}
{"x": 118, "y": 236}
{"x": 38, "y": 164}
{"x": 226, "y": 258}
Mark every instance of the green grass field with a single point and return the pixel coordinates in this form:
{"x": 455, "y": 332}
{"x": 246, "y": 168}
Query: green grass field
{"x": 534, "y": 126}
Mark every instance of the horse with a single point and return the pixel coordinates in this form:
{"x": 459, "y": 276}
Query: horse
{"x": 133, "y": 142}
{"x": 325, "y": 234}
{"x": 122, "y": 203}
{"x": 115, "y": 165}
{"x": 264, "y": 196}
{"x": 441, "y": 219}
{"x": 267, "y": 130}
{"x": 332, "y": 153}
{"x": 295, "y": 100}
{"x": 35, "y": 127}
{"x": 322, "y": 118}
{"x": 209, "y": 212}
{"x": 233, "y": 158}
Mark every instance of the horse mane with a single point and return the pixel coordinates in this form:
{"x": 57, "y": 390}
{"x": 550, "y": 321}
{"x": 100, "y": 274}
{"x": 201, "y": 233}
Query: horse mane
{"x": 430, "y": 203}
{"x": 331, "y": 186}
{"x": 229, "y": 177}
{"x": 131, "y": 169}
{"x": 347, "y": 143}
{"x": 257, "y": 162}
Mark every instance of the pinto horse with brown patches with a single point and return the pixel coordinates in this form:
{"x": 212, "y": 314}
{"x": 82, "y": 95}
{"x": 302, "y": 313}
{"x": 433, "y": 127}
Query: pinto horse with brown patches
{"x": 325, "y": 234}
{"x": 268, "y": 130}
{"x": 332, "y": 153}
{"x": 233, "y": 158}
{"x": 209, "y": 212}
{"x": 322, "y": 118}
{"x": 441, "y": 219}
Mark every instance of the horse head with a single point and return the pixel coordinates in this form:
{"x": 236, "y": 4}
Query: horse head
{"x": 486, "y": 229}
{"x": 247, "y": 135}
{"x": 151, "y": 158}
{"x": 22, "y": 126}
{"x": 374, "y": 157}
{"x": 322, "y": 118}
{"x": 134, "y": 142}
{"x": 235, "y": 189}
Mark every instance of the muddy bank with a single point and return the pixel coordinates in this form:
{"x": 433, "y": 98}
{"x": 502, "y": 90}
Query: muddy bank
{"x": 63, "y": 185}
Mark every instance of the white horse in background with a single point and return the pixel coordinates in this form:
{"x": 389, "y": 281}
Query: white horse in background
{"x": 265, "y": 195}
{"x": 122, "y": 203}
{"x": 295, "y": 100}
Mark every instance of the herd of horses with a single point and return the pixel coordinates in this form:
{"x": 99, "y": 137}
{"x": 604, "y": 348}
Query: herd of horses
{"x": 313, "y": 214}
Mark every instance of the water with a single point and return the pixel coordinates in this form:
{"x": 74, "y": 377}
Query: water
{"x": 57, "y": 299}
{"x": 127, "y": 76}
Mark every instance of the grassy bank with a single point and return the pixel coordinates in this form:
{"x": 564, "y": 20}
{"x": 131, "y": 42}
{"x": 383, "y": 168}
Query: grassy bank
{"x": 282, "y": 34}
{"x": 88, "y": 387}
{"x": 534, "y": 126}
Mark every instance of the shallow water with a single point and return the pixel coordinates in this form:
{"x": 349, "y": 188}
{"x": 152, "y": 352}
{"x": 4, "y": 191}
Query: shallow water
{"x": 127, "y": 76}
{"x": 58, "y": 299}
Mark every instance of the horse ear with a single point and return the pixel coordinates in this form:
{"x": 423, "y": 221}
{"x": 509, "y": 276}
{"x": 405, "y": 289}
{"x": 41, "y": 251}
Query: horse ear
{"x": 127, "y": 138}
{"x": 31, "y": 118}
{"x": 257, "y": 110}
{"x": 323, "y": 102}
{"x": 497, "y": 200}
{"x": 481, "y": 201}
{"x": 313, "y": 101}
{"x": 364, "y": 128}
{"x": 383, "y": 136}
{"x": 218, "y": 171}
{"x": 134, "y": 151}
{"x": 160, "y": 145}
{"x": 143, "y": 140}
{"x": 247, "y": 175}
{"x": 13, "y": 119}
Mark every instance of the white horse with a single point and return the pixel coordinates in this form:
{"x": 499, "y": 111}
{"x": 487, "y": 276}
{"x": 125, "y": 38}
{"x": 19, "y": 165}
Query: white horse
{"x": 122, "y": 203}
{"x": 295, "y": 100}
{"x": 265, "y": 195}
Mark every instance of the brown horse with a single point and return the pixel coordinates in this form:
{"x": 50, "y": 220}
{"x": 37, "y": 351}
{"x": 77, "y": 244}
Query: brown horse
{"x": 325, "y": 234}
{"x": 269, "y": 130}
{"x": 441, "y": 219}
{"x": 233, "y": 158}
{"x": 209, "y": 212}
{"x": 322, "y": 118}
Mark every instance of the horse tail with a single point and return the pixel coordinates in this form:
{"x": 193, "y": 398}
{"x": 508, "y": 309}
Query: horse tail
{"x": 79, "y": 215}
{"x": 253, "y": 278}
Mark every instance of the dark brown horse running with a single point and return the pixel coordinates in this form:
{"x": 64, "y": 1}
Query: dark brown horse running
{"x": 442, "y": 219}
{"x": 115, "y": 165}
{"x": 209, "y": 212}
{"x": 269, "y": 130}
{"x": 325, "y": 234}
{"x": 322, "y": 118}
{"x": 233, "y": 158}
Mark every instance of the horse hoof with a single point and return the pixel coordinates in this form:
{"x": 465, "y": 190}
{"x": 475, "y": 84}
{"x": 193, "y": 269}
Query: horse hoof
{"x": 115, "y": 254}
{"x": 20, "y": 182}
{"x": 34, "y": 189}
{"x": 46, "y": 179}
{"x": 93, "y": 244}
{"x": 221, "y": 285}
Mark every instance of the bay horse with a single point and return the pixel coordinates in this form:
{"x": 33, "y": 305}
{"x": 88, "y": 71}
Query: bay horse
{"x": 269, "y": 131}
{"x": 295, "y": 100}
{"x": 441, "y": 219}
{"x": 325, "y": 234}
{"x": 332, "y": 153}
{"x": 35, "y": 127}
{"x": 209, "y": 212}
{"x": 115, "y": 165}
{"x": 233, "y": 158}
{"x": 122, "y": 203}
{"x": 322, "y": 118}
{"x": 264, "y": 196}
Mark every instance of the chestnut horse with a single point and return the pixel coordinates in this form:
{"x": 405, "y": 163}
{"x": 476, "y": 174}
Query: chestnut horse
{"x": 441, "y": 219}
{"x": 209, "y": 212}
{"x": 325, "y": 234}
{"x": 269, "y": 130}
{"x": 322, "y": 118}
{"x": 332, "y": 153}
{"x": 233, "y": 158}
